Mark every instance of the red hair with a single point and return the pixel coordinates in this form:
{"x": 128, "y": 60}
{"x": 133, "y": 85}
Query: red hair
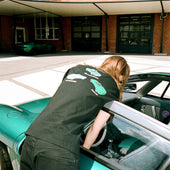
{"x": 117, "y": 66}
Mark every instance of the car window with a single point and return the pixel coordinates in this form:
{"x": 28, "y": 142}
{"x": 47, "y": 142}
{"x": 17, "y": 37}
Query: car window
{"x": 159, "y": 89}
{"x": 167, "y": 93}
{"x": 140, "y": 148}
{"x": 139, "y": 84}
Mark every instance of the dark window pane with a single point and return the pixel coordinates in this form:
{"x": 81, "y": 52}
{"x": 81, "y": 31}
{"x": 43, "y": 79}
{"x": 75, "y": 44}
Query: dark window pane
{"x": 134, "y": 27}
{"x": 95, "y": 35}
{"x": 56, "y": 24}
{"x": 50, "y": 22}
{"x": 124, "y": 28}
{"x": 37, "y": 22}
{"x": 145, "y": 41}
{"x": 77, "y": 29}
{"x": 124, "y": 41}
{"x": 56, "y": 33}
{"x": 86, "y": 29}
{"x": 77, "y": 35}
{"x": 95, "y": 28}
{"x": 124, "y": 35}
{"x": 43, "y": 34}
{"x": 38, "y": 33}
{"x": 50, "y": 36}
{"x": 43, "y": 22}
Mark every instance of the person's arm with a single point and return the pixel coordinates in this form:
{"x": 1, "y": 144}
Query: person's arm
{"x": 94, "y": 130}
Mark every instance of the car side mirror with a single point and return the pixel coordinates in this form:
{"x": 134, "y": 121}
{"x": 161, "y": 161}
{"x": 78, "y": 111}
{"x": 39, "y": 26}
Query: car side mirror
{"x": 129, "y": 87}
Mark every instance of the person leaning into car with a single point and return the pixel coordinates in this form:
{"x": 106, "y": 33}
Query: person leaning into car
{"x": 52, "y": 140}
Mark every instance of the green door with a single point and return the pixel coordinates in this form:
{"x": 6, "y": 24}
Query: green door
{"x": 135, "y": 34}
{"x": 86, "y": 34}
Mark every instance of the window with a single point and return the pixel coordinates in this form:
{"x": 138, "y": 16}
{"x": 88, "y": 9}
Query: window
{"x": 86, "y": 27}
{"x": 138, "y": 85}
{"x": 135, "y": 33}
{"x": 128, "y": 145}
{"x": 167, "y": 93}
{"x": 159, "y": 89}
{"x": 139, "y": 144}
{"x": 46, "y": 28}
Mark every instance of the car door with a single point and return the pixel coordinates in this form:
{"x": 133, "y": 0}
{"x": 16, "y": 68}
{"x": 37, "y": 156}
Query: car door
{"x": 141, "y": 142}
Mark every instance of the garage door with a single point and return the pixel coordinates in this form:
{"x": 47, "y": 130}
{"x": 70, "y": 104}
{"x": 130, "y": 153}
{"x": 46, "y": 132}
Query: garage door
{"x": 135, "y": 34}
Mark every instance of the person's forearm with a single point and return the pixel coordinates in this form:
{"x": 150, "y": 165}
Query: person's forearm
{"x": 90, "y": 138}
{"x": 94, "y": 130}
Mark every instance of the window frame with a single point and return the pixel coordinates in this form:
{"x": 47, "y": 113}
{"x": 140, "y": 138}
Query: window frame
{"x": 44, "y": 31}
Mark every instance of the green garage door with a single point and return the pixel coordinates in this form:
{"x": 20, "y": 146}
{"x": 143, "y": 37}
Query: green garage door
{"x": 86, "y": 33}
{"x": 135, "y": 34}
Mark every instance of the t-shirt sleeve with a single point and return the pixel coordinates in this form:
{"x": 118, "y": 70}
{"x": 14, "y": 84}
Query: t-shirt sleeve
{"x": 113, "y": 92}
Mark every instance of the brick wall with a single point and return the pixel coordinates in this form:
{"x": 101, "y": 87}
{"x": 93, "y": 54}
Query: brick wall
{"x": 166, "y": 35}
{"x": 112, "y": 30}
{"x": 157, "y": 35}
{"x": 67, "y": 33}
{"x": 6, "y": 37}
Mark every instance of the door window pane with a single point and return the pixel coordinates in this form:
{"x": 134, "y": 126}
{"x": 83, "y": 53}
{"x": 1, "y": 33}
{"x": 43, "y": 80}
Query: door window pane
{"x": 124, "y": 28}
{"x": 145, "y": 41}
{"x": 134, "y": 27}
{"x": 124, "y": 34}
{"x": 86, "y": 29}
{"x": 124, "y": 41}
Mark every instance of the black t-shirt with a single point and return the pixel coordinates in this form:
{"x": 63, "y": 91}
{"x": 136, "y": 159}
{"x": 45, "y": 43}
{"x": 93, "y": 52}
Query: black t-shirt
{"x": 82, "y": 93}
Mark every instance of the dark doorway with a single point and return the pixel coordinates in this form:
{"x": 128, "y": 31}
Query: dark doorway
{"x": 135, "y": 34}
{"x": 86, "y": 34}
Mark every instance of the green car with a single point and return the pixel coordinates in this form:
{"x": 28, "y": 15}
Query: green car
{"x": 137, "y": 138}
{"x": 33, "y": 48}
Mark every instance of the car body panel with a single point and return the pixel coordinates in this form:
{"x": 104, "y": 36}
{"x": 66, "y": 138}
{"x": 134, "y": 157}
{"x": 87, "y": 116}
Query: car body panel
{"x": 19, "y": 119}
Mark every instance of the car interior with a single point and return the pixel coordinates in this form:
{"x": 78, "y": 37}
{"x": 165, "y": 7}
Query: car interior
{"x": 148, "y": 103}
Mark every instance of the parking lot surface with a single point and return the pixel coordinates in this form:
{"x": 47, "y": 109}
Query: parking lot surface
{"x": 26, "y": 78}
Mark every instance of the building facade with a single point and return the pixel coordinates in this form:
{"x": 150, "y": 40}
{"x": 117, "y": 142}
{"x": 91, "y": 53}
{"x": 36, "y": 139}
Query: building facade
{"x": 87, "y": 26}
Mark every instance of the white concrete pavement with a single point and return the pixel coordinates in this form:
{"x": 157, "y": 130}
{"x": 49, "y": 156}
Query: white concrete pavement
{"x": 26, "y": 78}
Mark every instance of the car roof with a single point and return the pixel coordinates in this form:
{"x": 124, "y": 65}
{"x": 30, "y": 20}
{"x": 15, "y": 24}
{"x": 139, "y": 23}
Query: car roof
{"x": 149, "y": 76}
